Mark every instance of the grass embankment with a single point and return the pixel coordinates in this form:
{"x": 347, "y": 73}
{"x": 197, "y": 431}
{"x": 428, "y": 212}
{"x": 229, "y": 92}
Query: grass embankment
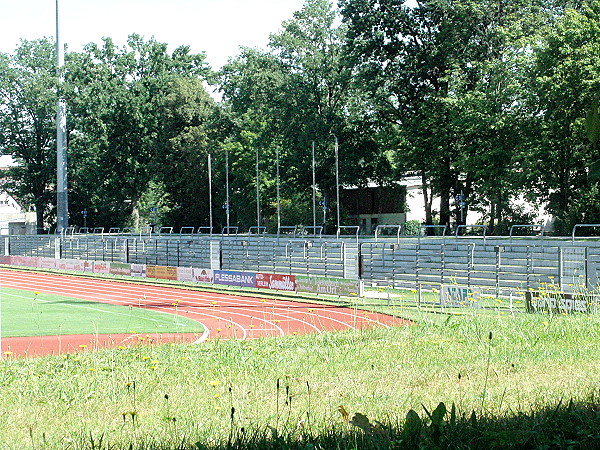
{"x": 518, "y": 375}
{"x": 27, "y": 313}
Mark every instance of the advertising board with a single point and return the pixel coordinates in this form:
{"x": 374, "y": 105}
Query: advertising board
{"x": 203, "y": 275}
{"x": 120, "y": 269}
{"x": 185, "y": 274}
{"x": 138, "y": 270}
{"x": 101, "y": 267}
{"x": 48, "y": 263}
{"x": 161, "y": 272}
{"x": 276, "y": 281}
{"x": 70, "y": 264}
{"x": 560, "y": 302}
{"x": 330, "y": 286}
{"x": 245, "y": 279}
{"x": 456, "y": 296}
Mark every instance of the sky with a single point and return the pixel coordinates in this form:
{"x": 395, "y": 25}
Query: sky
{"x": 216, "y": 27}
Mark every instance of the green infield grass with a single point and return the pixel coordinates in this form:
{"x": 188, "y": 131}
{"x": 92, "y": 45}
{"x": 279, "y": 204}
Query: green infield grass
{"x": 27, "y": 313}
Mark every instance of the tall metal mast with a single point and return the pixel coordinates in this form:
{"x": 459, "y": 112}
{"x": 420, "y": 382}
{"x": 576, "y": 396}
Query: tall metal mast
{"x": 62, "y": 196}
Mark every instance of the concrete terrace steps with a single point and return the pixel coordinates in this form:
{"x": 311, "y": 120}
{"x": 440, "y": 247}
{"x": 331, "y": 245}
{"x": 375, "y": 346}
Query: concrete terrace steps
{"x": 428, "y": 261}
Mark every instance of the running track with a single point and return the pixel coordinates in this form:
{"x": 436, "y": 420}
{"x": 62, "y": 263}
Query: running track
{"x": 222, "y": 315}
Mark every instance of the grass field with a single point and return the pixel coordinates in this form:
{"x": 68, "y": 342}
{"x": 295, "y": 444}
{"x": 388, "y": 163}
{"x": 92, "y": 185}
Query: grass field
{"x": 510, "y": 378}
{"x": 36, "y": 314}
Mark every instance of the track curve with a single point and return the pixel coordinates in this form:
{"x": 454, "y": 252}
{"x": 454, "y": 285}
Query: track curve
{"x": 222, "y": 315}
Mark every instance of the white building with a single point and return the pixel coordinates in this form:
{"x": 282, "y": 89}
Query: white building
{"x": 416, "y": 206}
{"x": 374, "y": 205}
{"x": 415, "y": 203}
{"x": 14, "y": 219}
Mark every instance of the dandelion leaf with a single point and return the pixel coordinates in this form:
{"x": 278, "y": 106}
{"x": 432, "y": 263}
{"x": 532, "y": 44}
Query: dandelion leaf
{"x": 361, "y": 421}
{"x": 412, "y": 426}
{"x": 437, "y": 417}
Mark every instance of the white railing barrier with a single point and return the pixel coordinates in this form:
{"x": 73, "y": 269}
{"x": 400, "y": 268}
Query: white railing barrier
{"x": 384, "y": 227}
{"x": 257, "y": 230}
{"x": 347, "y": 227}
{"x": 225, "y": 230}
{"x": 583, "y": 225}
{"x": 527, "y": 225}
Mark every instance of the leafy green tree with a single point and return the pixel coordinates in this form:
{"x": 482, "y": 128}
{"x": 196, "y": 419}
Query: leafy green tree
{"x": 302, "y": 85}
{"x": 491, "y": 118}
{"x": 442, "y": 73}
{"x": 190, "y": 132}
{"x": 565, "y": 87}
{"x": 28, "y": 84}
{"x": 117, "y": 99}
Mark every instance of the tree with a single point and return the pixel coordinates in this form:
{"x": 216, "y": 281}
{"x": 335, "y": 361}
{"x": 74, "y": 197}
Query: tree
{"x": 565, "y": 86}
{"x": 437, "y": 72}
{"x": 189, "y": 133}
{"x": 117, "y": 109}
{"x": 28, "y": 124}
{"x": 302, "y": 85}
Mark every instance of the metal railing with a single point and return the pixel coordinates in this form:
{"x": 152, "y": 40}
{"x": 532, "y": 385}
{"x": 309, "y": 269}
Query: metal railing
{"x": 500, "y": 264}
{"x": 583, "y": 225}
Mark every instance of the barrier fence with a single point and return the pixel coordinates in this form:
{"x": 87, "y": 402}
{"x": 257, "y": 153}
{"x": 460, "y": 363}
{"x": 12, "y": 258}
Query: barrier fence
{"x": 502, "y": 266}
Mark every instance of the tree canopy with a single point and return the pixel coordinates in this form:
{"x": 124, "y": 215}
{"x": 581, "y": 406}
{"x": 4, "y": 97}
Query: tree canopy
{"x": 487, "y": 101}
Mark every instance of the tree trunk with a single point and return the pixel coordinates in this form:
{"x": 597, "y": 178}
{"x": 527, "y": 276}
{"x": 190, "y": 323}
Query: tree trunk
{"x": 466, "y": 191}
{"x": 445, "y": 187}
{"x": 427, "y": 199}
{"x": 492, "y": 222}
{"x": 39, "y": 217}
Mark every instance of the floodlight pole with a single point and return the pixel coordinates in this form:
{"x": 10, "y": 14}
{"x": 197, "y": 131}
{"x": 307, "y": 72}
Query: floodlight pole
{"x": 278, "y": 196}
{"x": 210, "y": 210}
{"x": 257, "y": 191}
{"x": 337, "y": 181}
{"x": 314, "y": 188}
{"x": 62, "y": 200}
{"x": 227, "y": 187}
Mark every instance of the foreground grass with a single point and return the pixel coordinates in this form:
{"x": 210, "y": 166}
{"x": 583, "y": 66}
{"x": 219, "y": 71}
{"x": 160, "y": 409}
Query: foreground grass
{"x": 511, "y": 380}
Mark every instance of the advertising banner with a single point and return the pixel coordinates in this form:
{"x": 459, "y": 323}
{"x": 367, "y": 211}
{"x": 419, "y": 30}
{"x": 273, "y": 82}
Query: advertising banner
{"x": 329, "y": 286}
{"x": 560, "y": 302}
{"x": 15, "y": 260}
{"x": 456, "y": 296}
{"x": 120, "y": 269}
{"x": 70, "y": 264}
{"x": 276, "y": 282}
{"x": 48, "y": 263}
{"x": 26, "y": 261}
{"x": 101, "y": 267}
{"x": 204, "y": 275}
{"x": 138, "y": 270}
{"x": 185, "y": 274}
{"x": 161, "y": 272}
{"x": 246, "y": 279}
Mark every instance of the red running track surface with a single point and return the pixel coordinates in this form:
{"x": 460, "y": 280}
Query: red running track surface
{"x": 222, "y": 315}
